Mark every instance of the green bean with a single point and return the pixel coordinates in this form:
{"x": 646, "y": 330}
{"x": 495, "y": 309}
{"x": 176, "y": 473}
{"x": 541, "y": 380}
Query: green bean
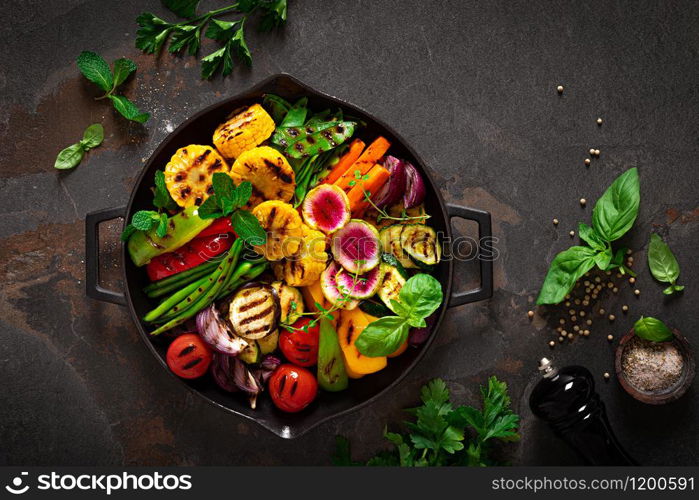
{"x": 172, "y": 300}
{"x": 161, "y": 287}
{"x": 245, "y": 272}
{"x": 201, "y": 300}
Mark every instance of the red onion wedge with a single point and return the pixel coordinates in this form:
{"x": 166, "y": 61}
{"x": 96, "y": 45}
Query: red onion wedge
{"x": 392, "y": 191}
{"x": 216, "y": 332}
{"x": 222, "y": 371}
{"x": 414, "y": 187}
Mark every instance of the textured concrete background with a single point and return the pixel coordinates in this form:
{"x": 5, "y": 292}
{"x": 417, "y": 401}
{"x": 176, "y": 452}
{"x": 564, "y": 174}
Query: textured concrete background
{"x": 471, "y": 85}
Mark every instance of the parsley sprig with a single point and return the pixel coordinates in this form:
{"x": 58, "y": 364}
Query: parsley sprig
{"x": 145, "y": 220}
{"x": 96, "y": 69}
{"x": 154, "y": 32}
{"x": 229, "y": 200}
{"x": 441, "y": 435}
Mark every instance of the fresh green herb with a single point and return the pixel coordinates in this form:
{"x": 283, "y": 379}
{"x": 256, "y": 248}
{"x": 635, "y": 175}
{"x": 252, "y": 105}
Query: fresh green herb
{"x": 663, "y": 264}
{"x": 229, "y": 200}
{"x": 652, "y": 329}
{"x": 71, "y": 156}
{"x": 145, "y": 220}
{"x": 96, "y": 69}
{"x": 420, "y": 296}
{"x": 153, "y": 31}
{"x": 439, "y": 434}
{"x": 161, "y": 196}
{"x": 613, "y": 215}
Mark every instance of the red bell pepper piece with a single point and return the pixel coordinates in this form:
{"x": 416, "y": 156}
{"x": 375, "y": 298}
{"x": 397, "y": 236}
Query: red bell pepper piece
{"x": 220, "y": 226}
{"x": 196, "y": 252}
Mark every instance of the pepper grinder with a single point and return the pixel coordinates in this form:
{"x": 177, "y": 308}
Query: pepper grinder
{"x": 566, "y": 399}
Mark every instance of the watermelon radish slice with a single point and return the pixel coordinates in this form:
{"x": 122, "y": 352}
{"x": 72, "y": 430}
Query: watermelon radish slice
{"x": 357, "y": 246}
{"x": 326, "y": 208}
{"x": 363, "y": 287}
{"x": 328, "y": 284}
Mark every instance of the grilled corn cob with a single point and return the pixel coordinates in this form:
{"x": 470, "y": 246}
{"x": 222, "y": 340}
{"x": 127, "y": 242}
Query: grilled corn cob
{"x": 189, "y": 172}
{"x": 283, "y": 226}
{"x": 307, "y": 264}
{"x": 271, "y": 176}
{"x": 247, "y": 129}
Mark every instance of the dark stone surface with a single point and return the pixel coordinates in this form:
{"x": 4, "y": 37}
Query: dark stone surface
{"x": 471, "y": 85}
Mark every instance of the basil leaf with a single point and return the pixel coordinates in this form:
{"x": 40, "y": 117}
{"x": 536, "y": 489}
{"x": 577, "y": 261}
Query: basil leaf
{"x": 421, "y": 295}
{"x": 589, "y": 236}
{"x": 652, "y": 329}
{"x": 183, "y": 8}
{"x": 603, "y": 258}
{"x": 209, "y": 209}
{"x": 616, "y": 210}
{"x": 122, "y": 69}
{"x": 567, "y": 267}
{"x": 128, "y": 109}
{"x": 96, "y": 69}
{"x": 383, "y": 336}
{"x": 248, "y": 227}
{"x": 161, "y": 230}
{"x": 661, "y": 261}
{"x": 92, "y": 137}
{"x": 672, "y": 289}
{"x": 144, "y": 220}
{"x": 70, "y": 157}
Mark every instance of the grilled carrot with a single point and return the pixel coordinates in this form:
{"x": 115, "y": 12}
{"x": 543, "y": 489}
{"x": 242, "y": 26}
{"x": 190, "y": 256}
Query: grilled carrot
{"x": 365, "y": 162}
{"x": 346, "y": 161}
{"x": 377, "y": 178}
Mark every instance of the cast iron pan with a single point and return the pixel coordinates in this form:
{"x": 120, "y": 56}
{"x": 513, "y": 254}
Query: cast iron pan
{"x": 198, "y": 130}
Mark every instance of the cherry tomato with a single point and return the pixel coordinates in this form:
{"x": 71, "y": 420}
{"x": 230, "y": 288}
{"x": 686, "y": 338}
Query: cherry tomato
{"x": 292, "y": 388}
{"x": 299, "y": 346}
{"x": 196, "y": 252}
{"x": 217, "y": 228}
{"x": 189, "y": 356}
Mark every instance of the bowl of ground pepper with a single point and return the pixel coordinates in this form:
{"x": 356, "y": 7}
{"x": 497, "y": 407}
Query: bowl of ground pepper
{"x": 655, "y": 372}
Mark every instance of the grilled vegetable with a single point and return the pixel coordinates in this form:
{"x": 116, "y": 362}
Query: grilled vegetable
{"x": 326, "y": 208}
{"x": 269, "y": 343}
{"x": 242, "y": 132}
{"x": 312, "y": 295}
{"x": 188, "y": 356}
{"x": 375, "y": 308}
{"x": 217, "y": 333}
{"x": 189, "y": 172}
{"x": 331, "y": 291}
{"x": 254, "y": 311}
{"x": 414, "y": 187}
{"x": 349, "y": 327}
{"x": 394, "y": 189}
{"x": 356, "y": 246}
{"x": 391, "y": 285}
{"x": 271, "y": 176}
{"x": 305, "y": 266}
{"x": 290, "y": 301}
{"x": 313, "y": 138}
{"x": 182, "y": 228}
{"x": 195, "y": 253}
{"x": 283, "y": 226}
{"x": 369, "y": 157}
{"x": 390, "y": 238}
{"x": 420, "y": 243}
{"x": 361, "y": 286}
{"x": 331, "y": 365}
{"x": 251, "y": 354}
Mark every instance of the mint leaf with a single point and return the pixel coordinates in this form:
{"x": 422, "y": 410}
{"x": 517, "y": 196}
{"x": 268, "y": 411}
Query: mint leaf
{"x": 96, "y": 69}
{"x": 161, "y": 196}
{"x": 92, "y": 137}
{"x": 70, "y": 157}
{"x": 127, "y": 232}
{"x": 383, "y": 336}
{"x": 652, "y": 329}
{"x": 122, "y": 69}
{"x": 161, "y": 230}
{"x": 210, "y": 209}
{"x": 128, "y": 109}
{"x": 243, "y": 193}
{"x": 247, "y": 226}
{"x": 183, "y": 8}
{"x": 144, "y": 220}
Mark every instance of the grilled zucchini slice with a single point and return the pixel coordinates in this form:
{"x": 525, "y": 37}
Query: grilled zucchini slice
{"x": 390, "y": 239}
{"x": 284, "y": 229}
{"x": 243, "y": 131}
{"x": 254, "y": 311}
{"x": 189, "y": 172}
{"x": 271, "y": 176}
{"x": 375, "y": 309}
{"x": 269, "y": 343}
{"x": 290, "y": 302}
{"x": 391, "y": 285}
{"x": 420, "y": 243}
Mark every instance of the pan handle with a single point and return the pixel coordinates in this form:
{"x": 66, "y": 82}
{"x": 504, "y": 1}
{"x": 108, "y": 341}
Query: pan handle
{"x": 92, "y": 263}
{"x": 485, "y": 235}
